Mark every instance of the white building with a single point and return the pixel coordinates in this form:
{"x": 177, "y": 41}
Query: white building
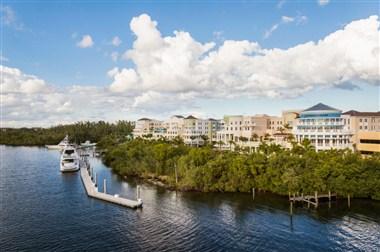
{"x": 324, "y": 127}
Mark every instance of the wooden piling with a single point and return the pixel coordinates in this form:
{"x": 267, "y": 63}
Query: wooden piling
{"x": 104, "y": 186}
{"x": 289, "y": 195}
{"x": 253, "y": 193}
{"x": 95, "y": 181}
{"x": 316, "y": 199}
{"x": 348, "y": 201}
{"x": 176, "y": 174}
{"x": 138, "y": 192}
{"x": 291, "y": 208}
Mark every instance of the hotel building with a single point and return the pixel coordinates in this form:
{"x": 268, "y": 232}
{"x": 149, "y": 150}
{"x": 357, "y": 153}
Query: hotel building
{"x": 365, "y": 127}
{"x": 146, "y": 127}
{"x": 324, "y": 126}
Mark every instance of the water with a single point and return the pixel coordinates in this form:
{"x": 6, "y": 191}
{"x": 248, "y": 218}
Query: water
{"x": 44, "y": 210}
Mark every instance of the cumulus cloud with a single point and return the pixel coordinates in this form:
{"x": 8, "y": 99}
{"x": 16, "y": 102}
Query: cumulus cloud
{"x": 14, "y": 81}
{"x": 180, "y": 64}
{"x": 85, "y": 42}
{"x": 323, "y": 2}
{"x": 27, "y": 100}
{"x": 169, "y": 74}
{"x": 116, "y": 41}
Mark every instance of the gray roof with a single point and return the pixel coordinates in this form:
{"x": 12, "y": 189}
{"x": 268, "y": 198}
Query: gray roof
{"x": 320, "y": 106}
{"x": 190, "y": 117}
{"x": 144, "y": 119}
{"x": 178, "y": 116}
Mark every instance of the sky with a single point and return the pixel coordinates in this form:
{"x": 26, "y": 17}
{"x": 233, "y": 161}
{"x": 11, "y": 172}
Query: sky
{"x": 68, "y": 61}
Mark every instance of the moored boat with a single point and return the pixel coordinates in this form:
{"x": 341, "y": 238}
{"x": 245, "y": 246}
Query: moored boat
{"x": 69, "y": 160}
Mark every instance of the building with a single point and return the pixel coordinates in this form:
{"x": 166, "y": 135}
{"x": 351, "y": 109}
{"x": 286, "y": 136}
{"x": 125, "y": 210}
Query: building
{"x": 324, "y": 127}
{"x": 365, "y": 128}
{"x": 174, "y": 127}
{"x": 146, "y": 127}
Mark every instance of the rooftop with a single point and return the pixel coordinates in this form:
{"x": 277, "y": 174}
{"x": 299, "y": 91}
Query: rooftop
{"x": 144, "y": 119}
{"x": 190, "y": 117}
{"x": 357, "y": 113}
{"x": 320, "y": 107}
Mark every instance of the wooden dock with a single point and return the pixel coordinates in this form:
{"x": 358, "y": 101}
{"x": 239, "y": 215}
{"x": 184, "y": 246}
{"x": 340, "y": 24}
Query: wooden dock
{"x": 92, "y": 189}
{"x": 311, "y": 199}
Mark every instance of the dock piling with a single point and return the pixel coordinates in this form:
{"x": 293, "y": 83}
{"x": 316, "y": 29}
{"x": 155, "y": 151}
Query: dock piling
{"x": 291, "y": 208}
{"x": 253, "y": 193}
{"x": 138, "y": 192}
{"x": 348, "y": 200}
{"x": 104, "y": 186}
{"x": 316, "y": 199}
{"x": 95, "y": 181}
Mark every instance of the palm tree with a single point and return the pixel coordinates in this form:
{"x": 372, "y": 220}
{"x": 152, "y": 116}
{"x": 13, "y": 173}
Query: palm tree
{"x": 254, "y": 137}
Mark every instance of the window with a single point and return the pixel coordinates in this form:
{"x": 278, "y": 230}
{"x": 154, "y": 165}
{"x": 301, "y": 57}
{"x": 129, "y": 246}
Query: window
{"x": 360, "y": 120}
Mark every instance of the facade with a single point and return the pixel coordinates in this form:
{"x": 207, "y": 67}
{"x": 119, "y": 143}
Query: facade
{"x": 324, "y": 127}
{"x": 364, "y": 126}
{"x": 146, "y": 127}
{"x": 368, "y": 142}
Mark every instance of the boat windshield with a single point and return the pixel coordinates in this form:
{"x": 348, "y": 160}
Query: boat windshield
{"x": 69, "y": 160}
{"x": 69, "y": 152}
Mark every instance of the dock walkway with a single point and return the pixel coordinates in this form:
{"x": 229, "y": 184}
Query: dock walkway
{"x": 92, "y": 189}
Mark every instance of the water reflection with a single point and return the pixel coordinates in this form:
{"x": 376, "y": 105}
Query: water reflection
{"x": 42, "y": 209}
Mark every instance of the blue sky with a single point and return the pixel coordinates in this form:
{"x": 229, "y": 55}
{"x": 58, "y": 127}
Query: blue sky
{"x": 41, "y": 40}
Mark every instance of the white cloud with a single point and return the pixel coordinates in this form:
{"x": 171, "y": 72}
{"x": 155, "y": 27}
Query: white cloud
{"x": 27, "y": 100}
{"x": 116, "y": 41}
{"x": 243, "y": 68}
{"x": 323, "y": 2}
{"x": 85, "y": 42}
{"x": 286, "y": 19}
{"x": 14, "y": 81}
{"x": 9, "y": 18}
{"x": 299, "y": 20}
{"x": 170, "y": 74}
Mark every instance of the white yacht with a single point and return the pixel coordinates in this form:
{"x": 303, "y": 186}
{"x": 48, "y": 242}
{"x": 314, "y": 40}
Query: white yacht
{"x": 63, "y": 144}
{"x": 87, "y": 144}
{"x": 69, "y": 159}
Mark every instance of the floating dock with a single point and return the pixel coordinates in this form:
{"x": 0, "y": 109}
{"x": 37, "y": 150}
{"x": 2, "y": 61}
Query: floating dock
{"x": 92, "y": 189}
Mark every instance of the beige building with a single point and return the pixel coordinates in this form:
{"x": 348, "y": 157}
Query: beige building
{"x": 146, "y": 127}
{"x": 364, "y": 126}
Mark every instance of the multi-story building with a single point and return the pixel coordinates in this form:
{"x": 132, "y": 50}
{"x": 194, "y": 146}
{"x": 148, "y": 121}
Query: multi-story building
{"x": 146, "y": 127}
{"x": 289, "y": 118}
{"x": 365, "y": 128}
{"x": 324, "y": 127}
{"x": 173, "y": 126}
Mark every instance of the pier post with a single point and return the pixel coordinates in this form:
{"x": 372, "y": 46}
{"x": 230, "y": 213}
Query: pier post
{"x": 253, "y": 193}
{"x": 138, "y": 192}
{"x": 291, "y": 208}
{"x": 289, "y": 195}
{"x": 348, "y": 201}
{"x": 316, "y": 199}
{"x": 104, "y": 186}
{"x": 95, "y": 181}
{"x": 176, "y": 175}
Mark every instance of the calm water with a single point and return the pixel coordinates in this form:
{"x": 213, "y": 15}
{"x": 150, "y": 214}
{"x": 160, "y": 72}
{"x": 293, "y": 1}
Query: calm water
{"x": 42, "y": 209}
